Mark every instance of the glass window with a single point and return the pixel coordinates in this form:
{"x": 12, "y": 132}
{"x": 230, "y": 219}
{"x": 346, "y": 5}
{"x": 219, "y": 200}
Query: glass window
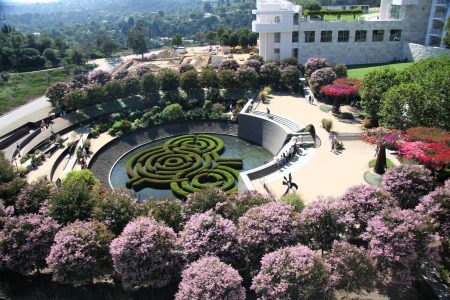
{"x": 277, "y": 19}
{"x": 295, "y": 52}
{"x": 276, "y": 50}
{"x": 395, "y": 35}
{"x": 277, "y": 37}
{"x": 310, "y": 36}
{"x": 395, "y": 12}
{"x": 360, "y": 35}
{"x": 295, "y": 37}
{"x": 296, "y": 18}
{"x": 343, "y": 35}
{"x": 377, "y": 35}
{"x": 326, "y": 36}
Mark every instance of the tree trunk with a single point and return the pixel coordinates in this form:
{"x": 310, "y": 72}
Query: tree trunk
{"x": 380, "y": 165}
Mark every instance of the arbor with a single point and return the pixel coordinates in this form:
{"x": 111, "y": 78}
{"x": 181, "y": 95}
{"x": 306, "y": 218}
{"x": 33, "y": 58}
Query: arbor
{"x": 149, "y": 83}
{"x": 318, "y": 224}
{"x": 407, "y": 184}
{"x": 265, "y": 228}
{"x": 177, "y": 40}
{"x": 144, "y": 253}
{"x": 189, "y": 80}
{"x": 352, "y": 267}
{"x": 208, "y": 234}
{"x": 115, "y": 209}
{"x": 209, "y": 278}
{"x": 25, "y": 242}
{"x": 137, "y": 38}
{"x": 80, "y": 253}
{"x": 292, "y": 273}
{"x": 168, "y": 79}
{"x": 374, "y": 85}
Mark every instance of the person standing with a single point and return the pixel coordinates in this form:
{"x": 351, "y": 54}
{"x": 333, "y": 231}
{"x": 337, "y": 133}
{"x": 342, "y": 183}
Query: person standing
{"x": 268, "y": 111}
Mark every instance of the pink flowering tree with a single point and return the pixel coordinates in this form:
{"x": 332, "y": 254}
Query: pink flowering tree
{"x": 352, "y": 268}
{"x": 209, "y": 234}
{"x": 25, "y": 242}
{"x": 292, "y": 273}
{"x": 238, "y": 204}
{"x": 318, "y": 224}
{"x": 32, "y": 197}
{"x": 400, "y": 241}
{"x": 407, "y": 184}
{"x": 145, "y": 254}
{"x": 209, "y": 278}
{"x": 358, "y": 205}
{"x": 203, "y": 201}
{"x": 80, "y": 253}
{"x": 315, "y": 63}
{"x": 382, "y": 138}
{"x": 320, "y": 78}
{"x": 99, "y": 77}
{"x": 266, "y": 228}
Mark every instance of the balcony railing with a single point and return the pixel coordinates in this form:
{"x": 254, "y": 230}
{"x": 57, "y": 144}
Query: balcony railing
{"x": 436, "y": 31}
{"x": 439, "y": 15}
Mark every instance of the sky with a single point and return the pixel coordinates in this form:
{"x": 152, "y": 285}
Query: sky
{"x": 31, "y": 1}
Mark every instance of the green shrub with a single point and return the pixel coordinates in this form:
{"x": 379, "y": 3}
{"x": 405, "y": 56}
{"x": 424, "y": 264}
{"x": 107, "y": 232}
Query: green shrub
{"x": 294, "y": 200}
{"x": 327, "y": 124}
{"x": 164, "y": 210}
{"x": 84, "y": 177}
{"x": 6, "y": 169}
{"x": 344, "y": 115}
{"x": 203, "y": 201}
{"x": 173, "y": 112}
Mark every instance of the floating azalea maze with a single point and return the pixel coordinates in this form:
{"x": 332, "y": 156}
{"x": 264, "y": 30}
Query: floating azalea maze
{"x": 184, "y": 164}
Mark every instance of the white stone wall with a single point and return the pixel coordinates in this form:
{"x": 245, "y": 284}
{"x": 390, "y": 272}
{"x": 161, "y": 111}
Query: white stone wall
{"x": 416, "y": 52}
{"x": 351, "y": 52}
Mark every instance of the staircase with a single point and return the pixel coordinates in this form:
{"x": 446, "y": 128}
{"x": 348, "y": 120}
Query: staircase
{"x": 280, "y": 120}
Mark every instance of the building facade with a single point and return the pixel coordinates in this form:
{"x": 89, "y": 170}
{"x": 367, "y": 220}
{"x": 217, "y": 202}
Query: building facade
{"x": 284, "y": 32}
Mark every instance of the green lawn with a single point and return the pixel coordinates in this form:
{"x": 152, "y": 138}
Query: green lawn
{"x": 359, "y": 71}
{"x": 343, "y": 18}
{"x": 23, "y": 87}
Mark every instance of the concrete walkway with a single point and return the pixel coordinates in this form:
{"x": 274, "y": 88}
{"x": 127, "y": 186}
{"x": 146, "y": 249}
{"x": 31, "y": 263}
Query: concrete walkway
{"x": 325, "y": 173}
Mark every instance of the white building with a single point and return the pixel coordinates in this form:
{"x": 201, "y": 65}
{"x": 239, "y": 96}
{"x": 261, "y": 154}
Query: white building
{"x": 284, "y": 32}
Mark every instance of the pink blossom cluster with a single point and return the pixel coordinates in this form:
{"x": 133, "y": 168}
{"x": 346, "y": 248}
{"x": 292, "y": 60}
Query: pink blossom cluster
{"x": 25, "y": 242}
{"x": 407, "y": 184}
{"x": 209, "y": 278}
{"x": 80, "y": 253}
{"x": 266, "y": 228}
{"x": 399, "y": 243}
{"x": 315, "y": 63}
{"x": 338, "y": 90}
{"x": 322, "y": 77}
{"x": 145, "y": 253}
{"x": 209, "y": 234}
{"x": 292, "y": 273}
{"x": 99, "y": 77}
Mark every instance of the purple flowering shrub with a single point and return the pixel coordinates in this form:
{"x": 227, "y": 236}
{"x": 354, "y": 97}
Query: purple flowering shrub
{"x": 229, "y": 65}
{"x": 270, "y": 74}
{"x": 292, "y": 273}
{"x": 359, "y": 204}
{"x": 209, "y": 234}
{"x": 80, "y": 253}
{"x": 25, "y": 242}
{"x": 399, "y": 242}
{"x": 32, "y": 197}
{"x": 319, "y": 225}
{"x": 321, "y": 77}
{"x": 315, "y": 63}
{"x": 203, "y": 201}
{"x": 236, "y": 205}
{"x": 99, "y": 77}
{"x": 115, "y": 209}
{"x": 209, "y": 278}
{"x": 407, "y": 184}
{"x": 253, "y": 63}
{"x": 145, "y": 253}
{"x": 266, "y": 228}
{"x": 352, "y": 268}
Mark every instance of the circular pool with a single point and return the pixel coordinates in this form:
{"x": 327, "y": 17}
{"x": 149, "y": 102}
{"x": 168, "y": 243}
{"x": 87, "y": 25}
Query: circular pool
{"x": 174, "y": 166}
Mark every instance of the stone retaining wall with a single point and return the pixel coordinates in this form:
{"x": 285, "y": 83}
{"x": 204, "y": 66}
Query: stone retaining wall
{"x": 416, "y": 52}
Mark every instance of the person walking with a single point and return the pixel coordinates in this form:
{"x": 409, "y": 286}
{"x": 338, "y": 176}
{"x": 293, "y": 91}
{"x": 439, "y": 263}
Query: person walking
{"x": 268, "y": 111}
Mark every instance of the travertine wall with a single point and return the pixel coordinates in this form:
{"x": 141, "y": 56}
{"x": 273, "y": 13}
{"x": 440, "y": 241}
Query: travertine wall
{"x": 416, "y": 52}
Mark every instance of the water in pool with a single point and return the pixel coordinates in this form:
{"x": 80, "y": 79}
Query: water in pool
{"x": 252, "y": 156}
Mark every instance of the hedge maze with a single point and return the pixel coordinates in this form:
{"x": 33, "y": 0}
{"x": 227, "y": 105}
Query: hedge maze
{"x": 185, "y": 164}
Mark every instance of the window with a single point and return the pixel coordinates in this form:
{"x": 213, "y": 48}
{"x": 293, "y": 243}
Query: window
{"x": 360, "y": 35}
{"x": 395, "y": 12}
{"x": 276, "y": 50}
{"x": 326, "y": 36}
{"x": 310, "y": 36}
{"x": 343, "y": 35}
{"x": 277, "y": 19}
{"x": 295, "y": 37}
{"x": 295, "y": 52}
{"x": 377, "y": 35}
{"x": 277, "y": 37}
{"x": 395, "y": 35}
{"x": 296, "y": 18}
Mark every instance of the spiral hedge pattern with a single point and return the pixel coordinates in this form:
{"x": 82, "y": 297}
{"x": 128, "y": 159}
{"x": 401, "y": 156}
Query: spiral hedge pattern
{"x": 186, "y": 164}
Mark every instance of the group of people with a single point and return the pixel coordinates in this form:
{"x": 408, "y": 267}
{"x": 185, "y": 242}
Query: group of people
{"x": 290, "y": 153}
